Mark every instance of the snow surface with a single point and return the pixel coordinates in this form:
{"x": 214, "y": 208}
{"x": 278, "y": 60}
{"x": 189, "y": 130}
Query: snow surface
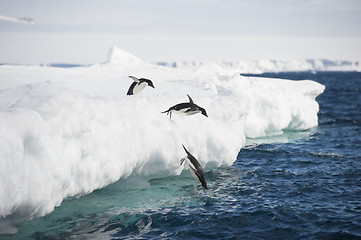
{"x": 68, "y": 131}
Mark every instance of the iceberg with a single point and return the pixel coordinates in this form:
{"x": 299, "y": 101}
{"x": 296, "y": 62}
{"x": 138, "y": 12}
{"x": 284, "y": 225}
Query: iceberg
{"x": 68, "y": 131}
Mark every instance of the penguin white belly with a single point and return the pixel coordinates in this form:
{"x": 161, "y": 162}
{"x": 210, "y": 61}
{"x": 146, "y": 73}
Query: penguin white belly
{"x": 192, "y": 169}
{"x": 184, "y": 111}
{"x": 139, "y": 87}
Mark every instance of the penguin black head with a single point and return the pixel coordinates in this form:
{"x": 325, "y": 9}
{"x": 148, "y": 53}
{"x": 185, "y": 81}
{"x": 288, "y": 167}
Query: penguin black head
{"x": 150, "y": 83}
{"x": 203, "y": 111}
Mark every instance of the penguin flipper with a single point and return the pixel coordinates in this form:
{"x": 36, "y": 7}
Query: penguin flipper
{"x": 130, "y": 90}
{"x": 190, "y": 99}
{"x": 135, "y": 79}
{"x": 185, "y": 149}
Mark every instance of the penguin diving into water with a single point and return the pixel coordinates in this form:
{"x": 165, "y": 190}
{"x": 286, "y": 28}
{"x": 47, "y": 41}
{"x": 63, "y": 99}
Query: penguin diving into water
{"x": 189, "y": 108}
{"x": 138, "y": 85}
{"x": 195, "y": 168}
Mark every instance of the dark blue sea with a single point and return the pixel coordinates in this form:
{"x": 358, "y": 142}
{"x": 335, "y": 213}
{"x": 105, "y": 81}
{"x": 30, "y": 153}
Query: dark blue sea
{"x": 301, "y": 185}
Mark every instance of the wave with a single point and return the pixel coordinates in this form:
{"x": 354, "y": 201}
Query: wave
{"x": 332, "y": 155}
{"x": 342, "y": 121}
{"x": 69, "y": 131}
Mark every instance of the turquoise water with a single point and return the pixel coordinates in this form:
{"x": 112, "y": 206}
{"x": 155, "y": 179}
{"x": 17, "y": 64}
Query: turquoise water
{"x": 301, "y": 185}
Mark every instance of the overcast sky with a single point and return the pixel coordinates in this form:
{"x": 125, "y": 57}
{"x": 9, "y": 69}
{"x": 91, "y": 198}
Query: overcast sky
{"x": 249, "y": 18}
{"x": 240, "y": 17}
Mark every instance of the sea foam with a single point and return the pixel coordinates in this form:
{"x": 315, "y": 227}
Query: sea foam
{"x": 69, "y": 131}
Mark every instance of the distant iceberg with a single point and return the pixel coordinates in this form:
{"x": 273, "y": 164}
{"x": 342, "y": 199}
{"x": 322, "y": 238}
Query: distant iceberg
{"x": 69, "y": 131}
{"x": 262, "y": 66}
{"x": 18, "y": 20}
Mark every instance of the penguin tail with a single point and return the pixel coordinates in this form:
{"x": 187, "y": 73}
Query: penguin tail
{"x": 169, "y": 112}
{"x": 166, "y": 112}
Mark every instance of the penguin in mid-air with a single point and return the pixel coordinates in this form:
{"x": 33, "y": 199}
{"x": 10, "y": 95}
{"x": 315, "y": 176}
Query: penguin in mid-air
{"x": 195, "y": 168}
{"x": 189, "y": 108}
{"x": 138, "y": 85}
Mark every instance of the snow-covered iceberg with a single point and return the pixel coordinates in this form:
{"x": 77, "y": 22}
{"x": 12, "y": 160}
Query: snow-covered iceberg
{"x": 68, "y": 131}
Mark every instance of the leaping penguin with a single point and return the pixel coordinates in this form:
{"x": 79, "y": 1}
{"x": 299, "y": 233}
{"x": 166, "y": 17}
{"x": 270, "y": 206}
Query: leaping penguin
{"x": 189, "y": 108}
{"x": 195, "y": 168}
{"x": 138, "y": 85}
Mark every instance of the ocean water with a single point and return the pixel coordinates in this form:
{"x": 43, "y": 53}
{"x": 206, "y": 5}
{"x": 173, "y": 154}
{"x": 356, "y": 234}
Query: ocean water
{"x": 300, "y": 185}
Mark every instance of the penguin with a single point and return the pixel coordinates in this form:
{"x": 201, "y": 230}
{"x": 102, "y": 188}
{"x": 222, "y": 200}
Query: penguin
{"x": 138, "y": 85}
{"x": 195, "y": 168}
{"x": 186, "y": 108}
